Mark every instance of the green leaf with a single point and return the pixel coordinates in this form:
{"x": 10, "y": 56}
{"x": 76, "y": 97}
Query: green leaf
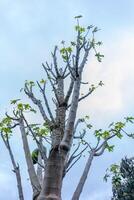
{"x": 114, "y": 168}
{"x": 69, "y": 49}
{"x": 98, "y": 133}
{"x": 119, "y": 126}
{"x": 64, "y": 58}
{"x": 6, "y": 121}
{"x": 20, "y": 106}
{"x": 89, "y": 126}
{"x": 14, "y": 101}
{"x": 42, "y": 81}
{"x": 87, "y": 117}
{"x": 79, "y": 16}
{"x": 100, "y": 83}
{"x": 27, "y": 106}
{"x": 6, "y": 130}
{"x": 99, "y": 56}
{"x": 110, "y": 148}
{"x": 79, "y": 28}
{"x": 32, "y": 83}
{"x": 33, "y": 110}
{"x": 130, "y": 119}
{"x": 119, "y": 135}
{"x": 105, "y": 134}
{"x": 43, "y": 131}
{"x": 99, "y": 43}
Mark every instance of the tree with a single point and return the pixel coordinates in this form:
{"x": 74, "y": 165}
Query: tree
{"x": 123, "y": 180}
{"x": 58, "y": 133}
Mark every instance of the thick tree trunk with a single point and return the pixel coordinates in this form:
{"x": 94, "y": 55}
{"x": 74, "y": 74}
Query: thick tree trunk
{"x": 83, "y": 178}
{"x": 52, "y": 183}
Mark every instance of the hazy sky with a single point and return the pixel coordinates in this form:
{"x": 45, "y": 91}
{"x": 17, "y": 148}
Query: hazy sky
{"x": 29, "y": 31}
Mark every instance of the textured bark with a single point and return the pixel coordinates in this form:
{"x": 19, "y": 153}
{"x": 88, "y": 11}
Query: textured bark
{"x": 58, "y": 132}
{"x": 52, "y": 183}
{"x": 19, "y": 184}
{"x": 68, "y": 135}
{"x": 67, "y": 139}
{"x": 32, "y": 174}
{"x": 83, "y": 178}
{"x": 39, "y": 168}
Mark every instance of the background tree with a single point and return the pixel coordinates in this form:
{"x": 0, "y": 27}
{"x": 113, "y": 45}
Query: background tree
{"x": 123, "y": 179}
{"x": 59, "y": 144}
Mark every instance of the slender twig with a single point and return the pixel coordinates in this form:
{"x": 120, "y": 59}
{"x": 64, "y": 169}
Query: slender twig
{"x": 52, "y": 84}
{"x": 46, "y": 101}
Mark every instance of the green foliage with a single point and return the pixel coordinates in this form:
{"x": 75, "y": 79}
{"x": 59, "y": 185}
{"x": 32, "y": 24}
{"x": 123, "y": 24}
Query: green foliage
{"x": 100, "y": 83}
{"x": 110, "y": 148}
{"x": 123, "y": 180}
{"x": 30, "y": 83}
{"x": 39, "y": 130}
{"x": 130, "y": 119}
{"x": 80, "y": 29}
{"x": 65, "y": 51}
{"x": 14, "y": 101}
{"x": 99, "y": 56}
{"x": 43, "y": 81}
{"x": 77, "y": 17}
{"x": 5, "y": 126}
{"x": 35, "y": 156}
{"x": 21, "y": 107}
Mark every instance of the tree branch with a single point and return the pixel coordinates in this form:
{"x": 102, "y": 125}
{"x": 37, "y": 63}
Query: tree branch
{"x": 15, "y": 166}
{"x": 46, "y": 101}
{"x": 32, "y": 174}
{"x": 37, "y": 102}
{"x": 83, "y": 178}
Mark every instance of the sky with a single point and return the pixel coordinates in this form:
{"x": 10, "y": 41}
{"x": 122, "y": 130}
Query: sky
{"x": 29, "y": 31}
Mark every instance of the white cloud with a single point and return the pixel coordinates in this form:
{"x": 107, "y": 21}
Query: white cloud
{"x": 116, "y": 71}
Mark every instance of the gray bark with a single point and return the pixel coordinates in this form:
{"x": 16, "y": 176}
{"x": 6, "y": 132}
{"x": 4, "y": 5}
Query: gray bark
{"x": 31, "y": 170}
{"x": 52, "y": 183}
{"x": 39, "y": 168}
{"x": 15, "y": 167}
{"x": 83, "y": 178}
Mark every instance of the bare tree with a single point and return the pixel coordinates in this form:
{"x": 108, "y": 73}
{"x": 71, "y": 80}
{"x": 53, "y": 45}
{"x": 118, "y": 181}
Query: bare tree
{"x": 60, "y": 127}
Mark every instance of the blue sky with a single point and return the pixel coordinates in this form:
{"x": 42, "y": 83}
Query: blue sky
{"x": 29, "y": 31}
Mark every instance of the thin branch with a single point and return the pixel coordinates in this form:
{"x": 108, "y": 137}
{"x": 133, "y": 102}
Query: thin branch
{"x": 52, "y": 84}
{"x": 51, "y": 71}
{"x": 83, "y": 178}
{"x": 46, "y": 101}
{"x": 55, "y": 60}
{"x": 86, "y": 95}
{"x": 76, "y": 125}
{"x": 69, "y": 92}
{"x": 73, "y": 156}
{"x": 15, "y": 166}
{"x": 67, "y": 170}
{"x": 35, "y": 138}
